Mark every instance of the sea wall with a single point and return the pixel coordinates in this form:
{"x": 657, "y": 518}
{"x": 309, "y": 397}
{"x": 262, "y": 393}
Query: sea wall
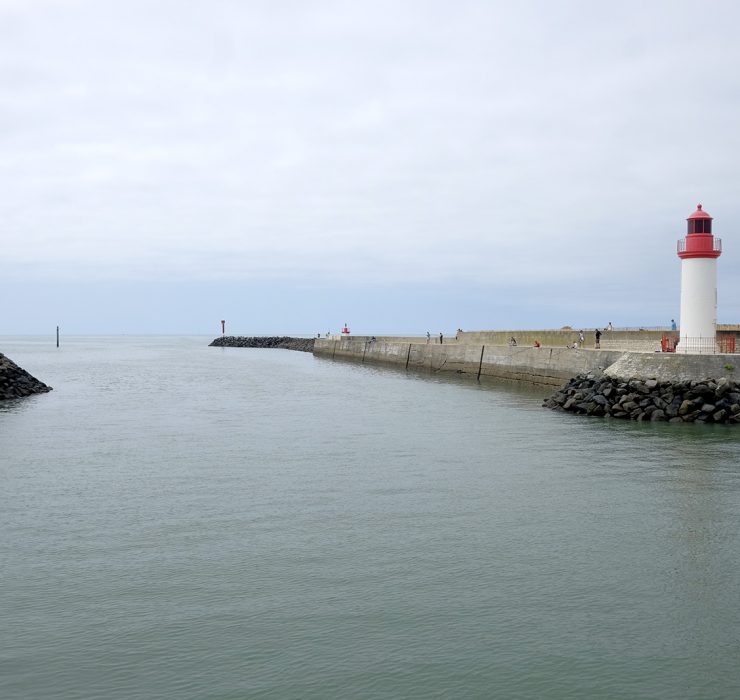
{"x": 549, "y": 366}
{"x": 632, "y": 340}
{"x": 629, "y": 340}
{"x": 546, "y": 366}
{"x": 16, "y": 383}
{"x": 281, "y": 342}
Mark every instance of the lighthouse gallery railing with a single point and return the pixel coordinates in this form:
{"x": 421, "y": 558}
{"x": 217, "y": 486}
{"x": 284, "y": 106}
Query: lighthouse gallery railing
{"x": 703, "y": 245}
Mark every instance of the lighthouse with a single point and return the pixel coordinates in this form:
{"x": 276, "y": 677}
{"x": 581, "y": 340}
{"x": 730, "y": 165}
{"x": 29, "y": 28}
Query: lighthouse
{"x": 698, "y": 252}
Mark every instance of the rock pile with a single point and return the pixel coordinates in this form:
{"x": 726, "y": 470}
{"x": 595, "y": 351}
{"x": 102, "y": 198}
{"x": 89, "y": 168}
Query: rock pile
{"x": 706, "y": 401}
{"x": 283, "y": 342}
{"x": 16, "y": 382}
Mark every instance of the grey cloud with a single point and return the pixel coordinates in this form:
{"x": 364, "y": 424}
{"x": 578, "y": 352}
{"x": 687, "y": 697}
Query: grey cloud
{"x": 373, "y": 141}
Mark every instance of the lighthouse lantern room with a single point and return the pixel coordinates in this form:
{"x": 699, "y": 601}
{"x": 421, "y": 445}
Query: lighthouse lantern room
{"x": 698, "y": 251}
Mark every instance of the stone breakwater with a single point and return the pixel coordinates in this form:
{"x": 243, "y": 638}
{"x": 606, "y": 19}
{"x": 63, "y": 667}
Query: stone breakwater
{"x": 281, "y": 342}
{"x": 709, "y": 401}
{"x": 16, "y": 383}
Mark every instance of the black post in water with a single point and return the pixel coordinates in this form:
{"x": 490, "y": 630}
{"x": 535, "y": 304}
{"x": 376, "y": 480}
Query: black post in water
{"x": 57, "y": 336}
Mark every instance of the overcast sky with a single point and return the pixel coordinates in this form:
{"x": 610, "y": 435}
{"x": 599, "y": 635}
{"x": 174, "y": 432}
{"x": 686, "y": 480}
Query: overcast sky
{"x": 402, "y": 166}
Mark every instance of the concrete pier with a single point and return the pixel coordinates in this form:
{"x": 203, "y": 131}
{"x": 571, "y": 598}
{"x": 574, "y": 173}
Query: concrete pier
{"x": 547, "y": 366}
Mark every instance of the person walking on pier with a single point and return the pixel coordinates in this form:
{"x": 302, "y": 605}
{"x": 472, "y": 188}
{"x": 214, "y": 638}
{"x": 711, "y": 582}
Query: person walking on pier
{"x": 429, "y": 338}
{"x": 441, "y": 338}
{"x": 597, "y": 335}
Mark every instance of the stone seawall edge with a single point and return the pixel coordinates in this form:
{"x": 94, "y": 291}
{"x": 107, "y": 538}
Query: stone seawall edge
{"x": 543, "y": 365}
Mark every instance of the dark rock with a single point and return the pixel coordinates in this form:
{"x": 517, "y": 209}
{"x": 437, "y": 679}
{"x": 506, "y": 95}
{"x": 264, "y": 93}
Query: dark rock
{"x": 679, "y": 402}
{"x": 279, "y": 342}
{"x": 723, "y": 387}
{"x": 639, "y": 387}
{"x": 672, "y": 409}
{"x": 16, "y": 383}
{"x": 700, "y": 391}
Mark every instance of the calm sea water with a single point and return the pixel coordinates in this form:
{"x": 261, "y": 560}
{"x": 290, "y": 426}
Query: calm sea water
{"x": 179, "y": 521}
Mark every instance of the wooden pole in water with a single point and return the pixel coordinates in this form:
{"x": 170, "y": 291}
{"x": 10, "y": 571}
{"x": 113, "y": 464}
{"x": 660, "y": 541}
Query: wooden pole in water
{"x": 57, "y": 336}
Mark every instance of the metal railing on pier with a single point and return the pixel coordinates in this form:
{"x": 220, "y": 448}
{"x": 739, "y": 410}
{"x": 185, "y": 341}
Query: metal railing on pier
{"x": 719, "y": 345}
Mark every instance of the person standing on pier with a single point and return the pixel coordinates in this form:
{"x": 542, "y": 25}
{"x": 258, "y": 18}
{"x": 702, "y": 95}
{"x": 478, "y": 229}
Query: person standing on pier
{"x": 597, "y": 335}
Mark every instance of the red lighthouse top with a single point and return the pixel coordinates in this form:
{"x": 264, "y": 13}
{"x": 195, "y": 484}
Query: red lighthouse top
{"x": 699, "y": 241}
{"x": 699, "y": 214}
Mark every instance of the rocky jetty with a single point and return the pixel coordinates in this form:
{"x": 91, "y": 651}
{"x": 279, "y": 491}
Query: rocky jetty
{"x": 706, "y": 401}
{"x": 16, "y": 383}
{"x": 282, "y": 342}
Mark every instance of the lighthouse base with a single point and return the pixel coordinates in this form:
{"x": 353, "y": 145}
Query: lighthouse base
{"x": 697, "y": 346}
{"x": 698, "y": 306}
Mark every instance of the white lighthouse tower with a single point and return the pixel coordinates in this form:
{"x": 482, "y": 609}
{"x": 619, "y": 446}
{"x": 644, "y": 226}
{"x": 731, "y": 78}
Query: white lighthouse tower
{"x": 699, "y": 252}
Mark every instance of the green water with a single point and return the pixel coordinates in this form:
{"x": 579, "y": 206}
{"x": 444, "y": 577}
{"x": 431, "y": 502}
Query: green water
{"x": 178, "y": 521}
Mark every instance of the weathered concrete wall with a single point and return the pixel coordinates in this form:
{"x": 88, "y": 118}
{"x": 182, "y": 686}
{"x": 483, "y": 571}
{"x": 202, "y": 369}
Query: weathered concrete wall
{"x": 416, "y": 339}
{"x": 551, "y": 366}
{"x": 636, "y": 341}
{"x": 547, "y": 366}
{"x": 671, "y": 367}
